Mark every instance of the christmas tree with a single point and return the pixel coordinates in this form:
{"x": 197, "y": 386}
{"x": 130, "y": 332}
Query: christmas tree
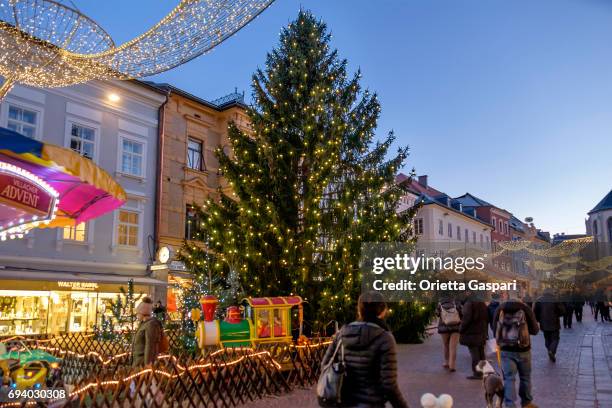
{"x": 310, "y": 183}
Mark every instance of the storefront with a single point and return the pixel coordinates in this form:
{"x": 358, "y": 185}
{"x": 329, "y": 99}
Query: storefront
{"x": 61, "y": 306}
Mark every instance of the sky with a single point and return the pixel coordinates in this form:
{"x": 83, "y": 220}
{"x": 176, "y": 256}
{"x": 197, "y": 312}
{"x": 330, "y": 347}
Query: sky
{"x": 508, "y": 100}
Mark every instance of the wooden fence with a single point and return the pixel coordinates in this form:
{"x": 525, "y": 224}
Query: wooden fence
{"x": 102, "y": 376}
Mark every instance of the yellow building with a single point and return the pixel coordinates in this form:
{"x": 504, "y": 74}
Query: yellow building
{"x": 188, "y": 173}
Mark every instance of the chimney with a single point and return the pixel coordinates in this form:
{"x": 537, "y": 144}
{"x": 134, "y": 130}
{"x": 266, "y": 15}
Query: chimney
{"x": 423, "y": 180}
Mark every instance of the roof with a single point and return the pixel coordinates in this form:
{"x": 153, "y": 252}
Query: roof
{"x": 604, "y": 204}
{"x": 429, "y": 195}
{"x": 414, "y": 185}
{"x": 234, "y": 99}
{"x": 279, "y": 301}
{"x": 470, "y": 200}
{"x": 516, "y": 224}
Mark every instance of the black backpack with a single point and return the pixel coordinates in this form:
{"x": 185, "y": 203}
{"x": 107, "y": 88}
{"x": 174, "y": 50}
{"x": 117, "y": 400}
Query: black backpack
{"x": 512, "y": 329}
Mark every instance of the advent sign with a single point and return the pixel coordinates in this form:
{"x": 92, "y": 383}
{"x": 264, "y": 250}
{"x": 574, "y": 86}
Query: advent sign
{"x": 19, "y": 192}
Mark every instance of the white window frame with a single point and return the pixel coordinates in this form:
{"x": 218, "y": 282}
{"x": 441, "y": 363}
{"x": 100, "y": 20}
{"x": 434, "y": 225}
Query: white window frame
{"x": 70, "y": 120}
{"x": 143, "y": 166}
{"x": 419, "y": 222}
{"x": 89, "y": 237}
{"x": 4, "y": 112}
{"x": 440, "y": 227}
{"x": 140, "y": 209}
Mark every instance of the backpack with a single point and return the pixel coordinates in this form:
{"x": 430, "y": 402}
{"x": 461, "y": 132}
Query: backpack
{"x": 329, "y": 386}
{"x": 450, "y": 316}
{"x": 512, "y": 330}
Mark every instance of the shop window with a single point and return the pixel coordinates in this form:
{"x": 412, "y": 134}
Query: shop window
{"x": 132, "y": 157}
{"x": 75, "y": 233}
{"x": 194, "y": 154}
{"x": 128, "y": 228}
{"x": 23, "y": 121}
{"x": 82, "y": 140}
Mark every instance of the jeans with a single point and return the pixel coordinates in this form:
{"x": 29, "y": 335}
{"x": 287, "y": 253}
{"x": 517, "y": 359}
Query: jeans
{"x": 514, "y": 362}
{"x": 477, "y": 353}
{"x": 551, "y": 340}
{"x": 450, "y": 341}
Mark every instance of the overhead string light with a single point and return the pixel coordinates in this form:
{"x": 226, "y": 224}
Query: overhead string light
{"x": 46, "y": 44}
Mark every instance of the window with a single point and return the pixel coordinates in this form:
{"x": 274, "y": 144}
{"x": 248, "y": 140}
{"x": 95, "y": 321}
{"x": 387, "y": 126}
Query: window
{"x": 128, "y": 228}
{"x": 194, "y": 154}
{"x": 75, "y": 233}
{"x": 459, "y": 233}
{"x": 132, "y": 157}
{"x": 82, "y": 140}
{"x": 481, "y": 240}
{"x": 450, "y": 230}
{"x": 418, "y": 226}
{"x": 467, "y": 236}
{"x": 501, "y": 226}
{"x": 493, "y": 222}
{"x": 440, "y": 227}
{"x": 23, "y": 121}
{"x": 192, "y": 221}
{"x": 474, "y": 237}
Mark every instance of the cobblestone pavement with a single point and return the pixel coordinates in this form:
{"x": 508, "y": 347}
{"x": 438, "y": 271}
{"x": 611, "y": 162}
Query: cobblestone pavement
{"x": 581, "y": 378}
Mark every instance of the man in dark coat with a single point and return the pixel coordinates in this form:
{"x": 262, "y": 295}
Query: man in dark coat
{"x": 578, "y": 303}
{"x": 473, "y": 331}
{"x": 548, "y": 310}
{"x": 370, "y": 357}
{"x": 517, "y": 358}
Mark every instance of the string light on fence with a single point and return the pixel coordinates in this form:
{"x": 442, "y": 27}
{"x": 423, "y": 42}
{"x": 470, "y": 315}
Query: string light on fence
{"x": 44, "y": 43}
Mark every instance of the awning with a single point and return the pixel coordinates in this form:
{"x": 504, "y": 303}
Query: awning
{"x": 51, "y": 276}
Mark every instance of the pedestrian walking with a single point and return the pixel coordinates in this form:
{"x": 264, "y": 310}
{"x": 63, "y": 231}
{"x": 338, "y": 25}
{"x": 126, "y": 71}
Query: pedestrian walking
{"x": 515, "y": 323}
{"x": 474, "y": 331}
{"x": 569, "y": 310}
{"x": 369, "y": 356}
{"x": 548, "y": 310}
{"x": 148, "y": 337}
{"x": 449, "y": 321}
{"x": 578, "y": 304}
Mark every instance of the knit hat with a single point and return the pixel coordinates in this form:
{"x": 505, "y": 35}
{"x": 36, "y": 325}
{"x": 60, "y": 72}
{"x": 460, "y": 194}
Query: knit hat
{"x": 144, "y": 308}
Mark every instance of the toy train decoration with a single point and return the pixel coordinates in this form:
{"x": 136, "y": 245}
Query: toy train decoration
{"x": 265, "y": 320}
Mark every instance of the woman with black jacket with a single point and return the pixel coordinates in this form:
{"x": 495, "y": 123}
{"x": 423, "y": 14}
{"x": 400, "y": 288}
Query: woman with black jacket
{"x": 370, "y": 357}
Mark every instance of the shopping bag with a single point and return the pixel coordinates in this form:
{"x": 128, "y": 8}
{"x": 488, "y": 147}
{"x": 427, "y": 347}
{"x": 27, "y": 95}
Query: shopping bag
{"x": 491, "y": 346}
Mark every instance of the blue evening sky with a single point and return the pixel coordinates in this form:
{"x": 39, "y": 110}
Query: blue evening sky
{"x": 508, "y": 100}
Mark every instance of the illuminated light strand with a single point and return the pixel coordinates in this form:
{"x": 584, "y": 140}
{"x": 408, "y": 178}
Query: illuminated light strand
{"x": 20, "y": 228}
{"x": 48, "y": 44}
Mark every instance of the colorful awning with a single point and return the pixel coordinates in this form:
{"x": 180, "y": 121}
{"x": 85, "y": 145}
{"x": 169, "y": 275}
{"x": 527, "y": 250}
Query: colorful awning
{"x": 85, "y": 191}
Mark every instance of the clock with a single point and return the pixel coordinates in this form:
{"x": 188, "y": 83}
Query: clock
{"x": 163, "y": 254}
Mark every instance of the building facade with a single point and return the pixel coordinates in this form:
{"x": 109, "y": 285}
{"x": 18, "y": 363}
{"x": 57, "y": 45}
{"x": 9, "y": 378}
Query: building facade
{"x": 599, "y": 221}
{"x": 63, "y": 279}
{"x": 442, "y": 223}
{"x": 192, "y": 130}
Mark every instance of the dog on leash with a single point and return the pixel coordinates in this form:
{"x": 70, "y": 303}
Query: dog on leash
{"x": 492, "y": 383}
